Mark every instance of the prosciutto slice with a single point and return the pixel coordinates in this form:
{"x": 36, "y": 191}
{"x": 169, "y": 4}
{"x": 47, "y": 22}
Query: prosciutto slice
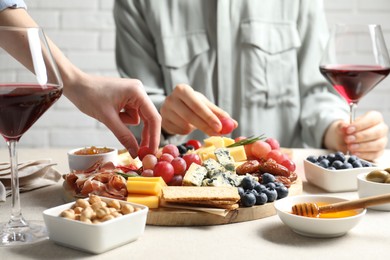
{"x": 100, "y": 179}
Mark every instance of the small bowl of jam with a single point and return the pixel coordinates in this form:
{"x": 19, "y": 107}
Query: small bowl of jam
{"x": 325, "y": 225}
{"x": 81, "y": 159}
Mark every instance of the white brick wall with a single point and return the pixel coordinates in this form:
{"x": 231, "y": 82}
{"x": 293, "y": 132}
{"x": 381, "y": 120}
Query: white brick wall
{"x": 84, "y": 30}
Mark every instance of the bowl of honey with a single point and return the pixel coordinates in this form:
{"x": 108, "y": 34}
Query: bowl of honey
{"x": 81, "y": 159}
{"x": 325, "y": 225}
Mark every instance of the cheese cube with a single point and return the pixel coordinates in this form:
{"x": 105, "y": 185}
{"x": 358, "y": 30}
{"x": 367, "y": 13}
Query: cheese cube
{"x": 216, "y": 141}
{"x": 145, "y": 188}
{"x": 151, "y": 202}
{"x": 227, "y": 141}
{"x": 238, "y": 153}
{"x": 148, "y": 179}
{"x": 194, "y": 175}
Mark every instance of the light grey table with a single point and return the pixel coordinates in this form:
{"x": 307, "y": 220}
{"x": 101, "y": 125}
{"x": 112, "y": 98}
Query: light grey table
{"x": 265, "y": 238}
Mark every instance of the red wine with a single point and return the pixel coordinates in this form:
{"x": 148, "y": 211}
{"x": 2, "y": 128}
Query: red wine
{"x": 354, "y": 81}
{"x": 22, "y": 104}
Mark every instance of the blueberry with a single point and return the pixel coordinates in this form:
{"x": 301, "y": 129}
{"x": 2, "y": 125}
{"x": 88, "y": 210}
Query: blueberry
{"x": 331, "y": 168}
{"x": 352, "y": 159}
{"x": 278, "y": 184}
{"x": 346, "y": 165}
{"x": 261, "y": 199}
{"x": 248, "y": 199}
{"x": 257, "y": 187}
{"x": 267, "y": 177}
{"x": 282, "y": 192}
{"x": 270, "y": 185}
{"x": 190, "y": 147}
{"x": 271, "y": 195}
{"x": 366, "y": 164}
{"x": 324, "y": 163}
{"x": 321, "y": 157}
{"x": 182, "y": 149}
{"x": 340, "y": 156}
{"x": 312, "y": 158}
{"x": 357, "y": 164}
{"x": 331, "y": 157}
{"x": 241, "y": 191}
{"x": 247, "y": 183}
{"x": 337, "y": 164}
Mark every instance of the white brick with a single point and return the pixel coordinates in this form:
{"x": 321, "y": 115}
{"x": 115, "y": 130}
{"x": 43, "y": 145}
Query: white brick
{"x": 75, "y": 40}
{"x": 374, "y": 5}
{"x": 61, "y": 4}
{"x": 107, "y": 40}
{"x": 87, "y": 19}
{"x": 46, "y": 19}
{"x": 93, "y": 60}
{"x": 106, "y": 4}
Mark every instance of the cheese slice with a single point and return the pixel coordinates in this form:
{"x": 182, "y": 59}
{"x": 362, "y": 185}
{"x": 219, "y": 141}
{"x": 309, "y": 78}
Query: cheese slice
{"x": 151, "y": 202}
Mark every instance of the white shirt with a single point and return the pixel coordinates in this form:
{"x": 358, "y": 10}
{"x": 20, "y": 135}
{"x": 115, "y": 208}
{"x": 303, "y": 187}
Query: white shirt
{"x": 257, "y": 60}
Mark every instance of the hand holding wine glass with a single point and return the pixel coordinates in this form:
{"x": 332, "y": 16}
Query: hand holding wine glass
{"x": 26, "y": 92}
{"x": 355, "y": 61}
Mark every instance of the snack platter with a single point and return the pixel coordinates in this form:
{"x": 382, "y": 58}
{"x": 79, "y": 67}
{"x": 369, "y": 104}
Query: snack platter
{"x": 185, "y": 217}
{"x": 219, "y": 185}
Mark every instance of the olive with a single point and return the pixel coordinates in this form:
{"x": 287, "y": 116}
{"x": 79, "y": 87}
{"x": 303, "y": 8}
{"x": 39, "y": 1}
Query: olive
{"x": 377, "y": 176}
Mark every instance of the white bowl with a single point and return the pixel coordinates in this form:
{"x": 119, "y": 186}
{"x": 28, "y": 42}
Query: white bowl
{"x": 83, "y": 162}
{"x": 95, "y": 238}
{"x": 315, "y": 227}
{"x": 334, "y": 180}
{"x": 370, "y": 188}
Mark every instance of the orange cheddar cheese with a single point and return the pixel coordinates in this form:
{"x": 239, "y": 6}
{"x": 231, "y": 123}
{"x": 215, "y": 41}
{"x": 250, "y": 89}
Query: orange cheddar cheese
{"x": 150, "y": 201}
{"x": 144, "y": 187}
{"x": 148, "y": 179}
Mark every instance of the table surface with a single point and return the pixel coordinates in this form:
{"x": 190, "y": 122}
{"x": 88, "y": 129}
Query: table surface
{"x": 266, "y": 238}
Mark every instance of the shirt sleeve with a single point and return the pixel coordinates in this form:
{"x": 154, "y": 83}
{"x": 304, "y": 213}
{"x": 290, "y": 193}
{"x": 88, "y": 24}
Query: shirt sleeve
{"x": 321, "y": 105}
{"x": 12, "y": 4}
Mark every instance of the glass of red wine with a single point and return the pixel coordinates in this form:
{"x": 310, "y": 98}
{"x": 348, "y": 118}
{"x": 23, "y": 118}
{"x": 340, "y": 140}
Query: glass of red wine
{"x": 355, "y": 61}
{"x": 29, "y": 84}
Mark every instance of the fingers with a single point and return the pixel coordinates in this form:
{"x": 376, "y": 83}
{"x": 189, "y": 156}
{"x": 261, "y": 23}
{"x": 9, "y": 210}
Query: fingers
{"x": 367, "y": 136}
{"x": 185, "y": 110}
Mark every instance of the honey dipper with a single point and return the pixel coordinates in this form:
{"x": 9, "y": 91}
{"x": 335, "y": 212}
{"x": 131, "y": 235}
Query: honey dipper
{"x": 313, "y": 210}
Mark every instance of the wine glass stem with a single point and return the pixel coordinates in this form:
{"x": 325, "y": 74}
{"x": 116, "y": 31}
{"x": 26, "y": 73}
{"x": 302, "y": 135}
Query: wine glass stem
{"x": 352, "y": 110}
{"x": 16, "y": 211}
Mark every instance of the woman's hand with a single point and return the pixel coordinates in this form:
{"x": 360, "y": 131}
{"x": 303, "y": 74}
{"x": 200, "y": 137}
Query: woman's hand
{"x": 116, "y": 102}
{"x": 186, "y": 110}
{"x": 366, "y": 137}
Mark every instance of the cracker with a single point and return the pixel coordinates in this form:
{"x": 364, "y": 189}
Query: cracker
{"x": 187, "y": 194}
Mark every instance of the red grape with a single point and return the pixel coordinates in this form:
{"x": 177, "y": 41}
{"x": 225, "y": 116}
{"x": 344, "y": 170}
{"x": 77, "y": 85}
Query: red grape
{"x": 248, "y": 150}
{"x": 149, "y": 161}
{"x": 171, "y": 149}
{"x": 273, "y": 143}
{"x": 177, "y": 180}
{"x": 191, "y": 158}
{"x": 164, "y": 170}
{"x": 194, "y": 143}
{"x": 260, "y": 149}
{"x": 144, "y": 150}
{"x": 227, "y": 125}
{"x": 289, "y": 164}
{"x": 166, "y": 157}
{"x": 276, "y": 155}
{"x": 179, "y": 165}
{"x": 147, "y": 173}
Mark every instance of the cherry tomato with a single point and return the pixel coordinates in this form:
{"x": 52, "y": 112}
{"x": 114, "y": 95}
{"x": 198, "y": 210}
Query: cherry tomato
{"x": 194, "y": 143}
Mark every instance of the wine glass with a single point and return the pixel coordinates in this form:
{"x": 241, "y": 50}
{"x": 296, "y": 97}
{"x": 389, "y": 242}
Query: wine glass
{"x": 29, "y": 84}
{"x": 355, "y": 61}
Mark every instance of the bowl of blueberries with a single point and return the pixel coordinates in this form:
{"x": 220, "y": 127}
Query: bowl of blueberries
{"x": 335, "y": 172}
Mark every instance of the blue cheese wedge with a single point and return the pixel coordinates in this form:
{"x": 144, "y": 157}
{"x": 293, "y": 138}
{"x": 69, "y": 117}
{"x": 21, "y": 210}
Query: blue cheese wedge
{"x": 224, "y": 158}
{"x": 213, "y": 167}
{"x": 194, "y": 175}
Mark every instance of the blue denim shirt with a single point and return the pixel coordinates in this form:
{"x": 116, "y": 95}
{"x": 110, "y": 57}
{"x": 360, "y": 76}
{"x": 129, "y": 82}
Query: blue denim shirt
{"x": 12, "y": 4}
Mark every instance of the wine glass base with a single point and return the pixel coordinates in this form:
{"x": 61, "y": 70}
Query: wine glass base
{"x": 17, "y": 236}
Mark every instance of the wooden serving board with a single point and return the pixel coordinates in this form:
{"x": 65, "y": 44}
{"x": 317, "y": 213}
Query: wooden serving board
{"x": 183, "y": 217}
